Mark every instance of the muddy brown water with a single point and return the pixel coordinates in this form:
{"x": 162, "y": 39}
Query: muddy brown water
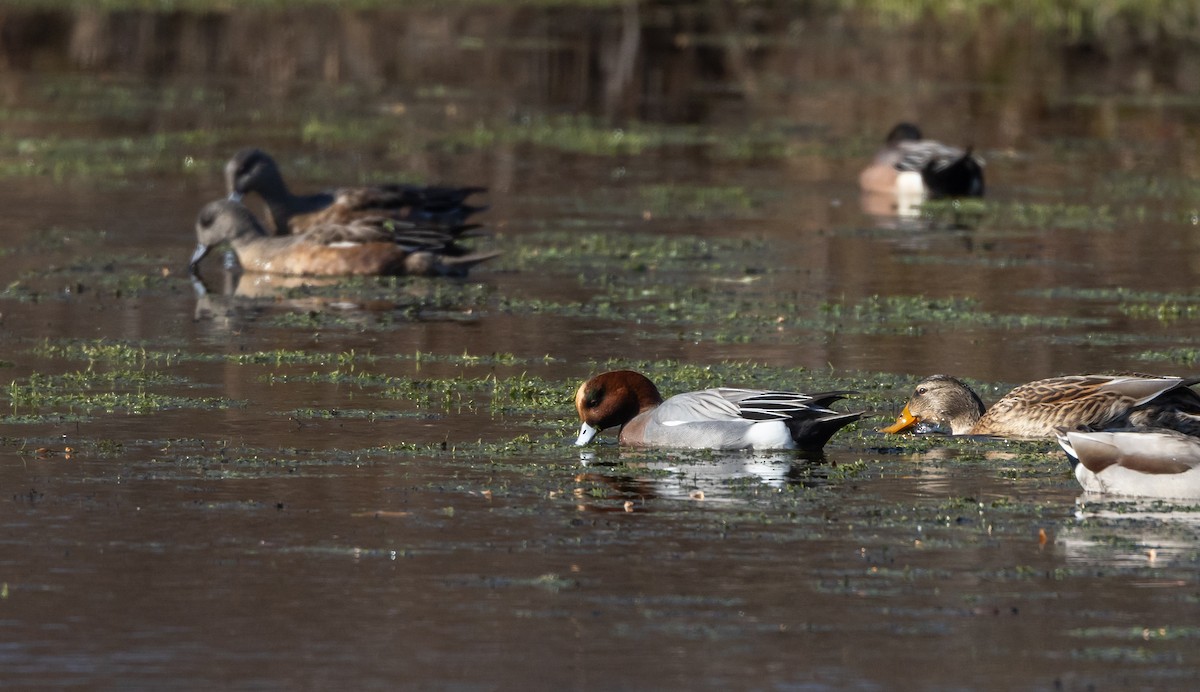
{"x": 313, "y": 532}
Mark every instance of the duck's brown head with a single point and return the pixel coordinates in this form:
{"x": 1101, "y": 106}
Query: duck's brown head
{"x": 613, "y": 398}
{"x": 941, "y": 400}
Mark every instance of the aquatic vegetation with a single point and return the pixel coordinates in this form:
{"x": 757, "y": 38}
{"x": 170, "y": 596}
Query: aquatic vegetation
{"x": 101, "y": 274}
{"x": 577, "y": 134}
{"x": 675, "y": 201}
{"x": 564, "y": 251}
{"x": 1166, "y": 311}
{"x": 589, "y": 136}
{"x": 343, "y": 413}
{"x": 110, "y": 161}
{"x": 994, "y": 215}
{"x": 103, "y": 351}
{"x": 128, "y": 353}
{"x": 910, "y": 310}
{"x": 69, "y": 392}
{"x": 1181, "y": 355}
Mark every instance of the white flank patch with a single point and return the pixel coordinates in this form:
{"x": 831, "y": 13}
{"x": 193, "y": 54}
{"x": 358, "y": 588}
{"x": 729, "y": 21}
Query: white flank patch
{"x": 771, "y": 434}
{"x": 910, "y": 184}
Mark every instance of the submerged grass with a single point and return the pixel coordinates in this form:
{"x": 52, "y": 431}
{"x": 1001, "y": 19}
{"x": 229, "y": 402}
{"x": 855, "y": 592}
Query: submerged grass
{"x": 990, "y": 214}
{"x": 586, "y": 135}
{"x": 653, "y": 281}
{"x": 76, "y": 392}
{"x": 113, "y": 161}
{"x": 132, "y": 353}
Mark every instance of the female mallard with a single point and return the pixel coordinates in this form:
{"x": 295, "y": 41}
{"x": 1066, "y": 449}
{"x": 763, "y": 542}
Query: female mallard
{"x": 252, "y": 170}
{"x": 1142, "y": 463}
{"x": 1036, "y": 409}
{"x": 909, "y": 165}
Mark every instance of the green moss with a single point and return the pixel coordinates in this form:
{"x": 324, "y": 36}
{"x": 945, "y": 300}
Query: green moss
{"x": 1184, "y": 356}
{"x": 589, "y": 136}
{"x": 39, "y": 392}
{"x": 675, "y": 201}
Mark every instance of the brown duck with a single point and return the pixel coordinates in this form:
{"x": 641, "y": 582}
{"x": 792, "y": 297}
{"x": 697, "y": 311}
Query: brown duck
{"x": 1036, "y": 409}
{"x": 253, "y": 170}
{"x": 368, "y": 246}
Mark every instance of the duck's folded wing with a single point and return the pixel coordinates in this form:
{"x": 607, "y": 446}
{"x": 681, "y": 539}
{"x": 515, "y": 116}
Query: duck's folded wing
{"x": 694, "y": 407}
{"x": 1143, "y": 451}
{"x": 915, "y": 156}
{"x": 775, "y": 405}
{"x": 731, "y": 404}
{"x": 396, "y": 196}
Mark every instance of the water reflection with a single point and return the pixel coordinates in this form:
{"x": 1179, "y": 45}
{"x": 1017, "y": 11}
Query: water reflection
{"x": 1135, "y": 533}
{"x": 774, "y": 106}
{"x": 246, "y": 295}
{"x": 722, "y": 477}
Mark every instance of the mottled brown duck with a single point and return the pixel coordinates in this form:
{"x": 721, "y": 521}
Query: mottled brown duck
{"x": 254, "y": 171}
{"x": 365, "y": 247}
{"x": 1037, "y": 409}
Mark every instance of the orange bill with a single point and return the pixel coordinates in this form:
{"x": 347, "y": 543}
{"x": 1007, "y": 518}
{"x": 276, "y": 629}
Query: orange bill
{"x": 904, "y": 422}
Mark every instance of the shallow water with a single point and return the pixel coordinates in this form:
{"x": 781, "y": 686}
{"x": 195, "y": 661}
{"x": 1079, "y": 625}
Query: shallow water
{"x": 370, "y": 484}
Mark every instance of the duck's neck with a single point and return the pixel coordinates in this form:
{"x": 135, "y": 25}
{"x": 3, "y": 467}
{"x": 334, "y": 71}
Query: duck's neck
{"x": 289, "y": 205}
{"x": 970, "y": 413}
{"x": 247, "y": 229}
{"x": 964, "y": 422}
{"x": 283, "y": 205}
{"x": 646, "y": 393}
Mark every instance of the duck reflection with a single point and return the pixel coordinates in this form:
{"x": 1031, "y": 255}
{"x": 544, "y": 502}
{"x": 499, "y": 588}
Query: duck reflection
{"x": 242, "y": 295}
{"x": 1131, "y": 533}
{"x": 640, "y": 476}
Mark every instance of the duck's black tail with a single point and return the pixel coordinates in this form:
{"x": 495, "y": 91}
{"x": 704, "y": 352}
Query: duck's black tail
{"x": 961, "y": 177}
{"x": 811, "y": 430}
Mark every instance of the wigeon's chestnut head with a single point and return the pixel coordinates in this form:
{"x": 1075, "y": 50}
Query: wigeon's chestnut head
{"x": 368, "y": 246}
{"x": 723, "y": 418}
{"x": 910, "y": 166}
{"x": 1038, "y": 409}
{"x": 1155, "y": 463}
{"x": 254, "y": 171}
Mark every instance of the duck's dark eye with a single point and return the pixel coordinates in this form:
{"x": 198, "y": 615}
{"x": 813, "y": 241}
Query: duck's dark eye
{"x": 207, "y": 216}
{"x": 921, "y": 391}
{"x": 593, "y": 398}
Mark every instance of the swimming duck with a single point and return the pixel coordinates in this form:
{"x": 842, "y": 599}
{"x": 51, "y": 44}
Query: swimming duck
{"x": 1036, "y": 409}
{"x": 1144, "y": 463}
{"x": 910, "y": 166}
{"x": 365, "y": 247}
{"x": 723, "y": 418}
{"x": 252, "y": 170}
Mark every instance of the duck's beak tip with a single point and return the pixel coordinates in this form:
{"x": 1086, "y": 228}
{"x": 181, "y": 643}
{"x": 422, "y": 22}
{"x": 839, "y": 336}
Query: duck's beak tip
{"x": 905, "y": 421}
{"x": 586, "y": 433}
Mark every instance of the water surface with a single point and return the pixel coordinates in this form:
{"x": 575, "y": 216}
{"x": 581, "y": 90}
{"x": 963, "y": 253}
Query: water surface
{"x": 257, "y": 484}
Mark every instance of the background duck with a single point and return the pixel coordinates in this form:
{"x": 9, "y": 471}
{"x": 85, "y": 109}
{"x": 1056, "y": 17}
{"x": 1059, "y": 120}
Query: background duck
{"x": 911, "y": 166}
{"x": 1037, "y": 409}
{"x": 253, "y": 170}
{"x": 364, "y": 247}
{"x": 1144, "y": 463}
{"x": 723, "y": 418}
